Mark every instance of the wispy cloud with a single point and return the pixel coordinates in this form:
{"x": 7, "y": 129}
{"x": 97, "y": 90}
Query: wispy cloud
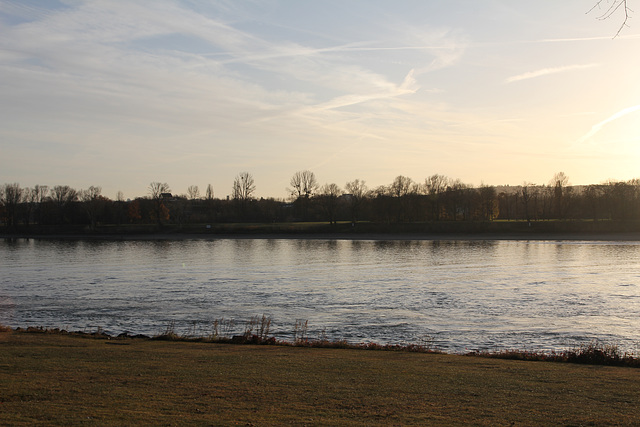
{"x": 548, "y": 71}
{"x": 408, "y": 86}
{"x": 597, "y": 127}
{"x": 210, "y": 86}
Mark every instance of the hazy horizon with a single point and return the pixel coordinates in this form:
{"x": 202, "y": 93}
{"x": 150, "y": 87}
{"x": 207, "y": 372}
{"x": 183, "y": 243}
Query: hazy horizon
{"x": 121, "y": 94}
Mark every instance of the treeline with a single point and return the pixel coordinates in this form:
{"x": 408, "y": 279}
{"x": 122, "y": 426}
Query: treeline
{"x": 437, "y": 198}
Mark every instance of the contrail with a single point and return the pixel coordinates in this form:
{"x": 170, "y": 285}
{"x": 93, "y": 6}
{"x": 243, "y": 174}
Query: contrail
{"x": 547, "y": 71}
{"x": 596, "y": 128}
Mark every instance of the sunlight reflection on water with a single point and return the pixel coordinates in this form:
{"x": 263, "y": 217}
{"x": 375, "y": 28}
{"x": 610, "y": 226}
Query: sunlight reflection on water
{"x": 462, "y": 294}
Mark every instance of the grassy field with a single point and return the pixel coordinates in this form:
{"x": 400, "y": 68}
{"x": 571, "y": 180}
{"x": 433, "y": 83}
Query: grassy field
{"x": 53, "y": 379}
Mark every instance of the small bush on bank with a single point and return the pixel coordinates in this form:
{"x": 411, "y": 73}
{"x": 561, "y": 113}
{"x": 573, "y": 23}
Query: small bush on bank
{"x": 593, "y": 353}
{"x": 257, "y": 333}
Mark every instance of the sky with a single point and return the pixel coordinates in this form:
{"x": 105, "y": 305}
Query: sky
{"x": 119, "y": 94}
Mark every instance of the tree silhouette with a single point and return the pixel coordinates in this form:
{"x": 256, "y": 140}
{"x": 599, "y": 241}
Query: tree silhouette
{"x": 357, "y": 193}
{"x": 93, "y": 203}
{"x": 328, "y": 199}
{"x": 243, "y": 188}
{"x": 194, "y": 192}
{"x": 158, "y": 191}
{"x": 561, "y": 192}
{"x": 10, "y": 197}
{"x": 303, "y": 186}
{"x": 62, "y": 196}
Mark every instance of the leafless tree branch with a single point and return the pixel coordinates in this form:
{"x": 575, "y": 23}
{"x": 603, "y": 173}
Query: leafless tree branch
{"x": 610, "y": 9}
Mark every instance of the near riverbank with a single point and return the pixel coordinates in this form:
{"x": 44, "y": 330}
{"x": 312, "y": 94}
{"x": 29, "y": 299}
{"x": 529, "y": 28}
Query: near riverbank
{"x": 58, "y": 379}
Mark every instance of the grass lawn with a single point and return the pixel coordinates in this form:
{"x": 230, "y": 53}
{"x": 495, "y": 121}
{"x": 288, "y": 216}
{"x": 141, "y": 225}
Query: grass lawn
{"x": 54, "y": 379}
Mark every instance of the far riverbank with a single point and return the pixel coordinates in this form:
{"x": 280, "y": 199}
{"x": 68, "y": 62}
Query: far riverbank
{"x": 627, "y": 237}
{"x": 443, "y": 230}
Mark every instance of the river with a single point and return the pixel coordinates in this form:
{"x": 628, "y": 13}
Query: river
{"x": 454, "y": 295}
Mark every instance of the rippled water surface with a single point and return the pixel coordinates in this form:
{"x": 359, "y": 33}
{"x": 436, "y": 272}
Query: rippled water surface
{"x": 458, "y": 295}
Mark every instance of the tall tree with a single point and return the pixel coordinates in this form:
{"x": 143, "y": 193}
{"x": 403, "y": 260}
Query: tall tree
{"x": 402, "y": 186}
{"x": 593, "y": 197}
{"x": 93, "y": 203}
{"x": 193, "y": 192}
{"x": 10, "y": 198}
{"x": 210, "y": 203}
{"x": 454, "y": 199}
{"x": 328, "y": 198}
{"x": 401, "y": 190}
{"x": 63, "y": 196}
{"x": 560, "y": 183}
{"x": 209, "y": 193}
{"x": 158, "y": 192}
{"x": 243, "y": 186}
{"x": 357, "y": 191}
{"x": 488, "y": 202}
{"x": 303, "y": 186}
{"x": 434, "y": 188}
{"x": 39, "y": 195}
{"x": 526, "y": 194}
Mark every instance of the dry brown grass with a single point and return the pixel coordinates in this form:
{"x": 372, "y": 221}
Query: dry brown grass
{"x": 53, "y": 379}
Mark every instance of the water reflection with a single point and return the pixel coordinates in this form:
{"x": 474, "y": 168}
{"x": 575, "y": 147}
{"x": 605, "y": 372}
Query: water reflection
{"x": 466, "y": 294}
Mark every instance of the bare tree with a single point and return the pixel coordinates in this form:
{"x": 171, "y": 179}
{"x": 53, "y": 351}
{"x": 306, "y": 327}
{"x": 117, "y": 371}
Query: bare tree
{"x": 63, "y": 196}
{"x": 157, "y": 189}
{"x": 621, "y": 199}
{"x": 3, "y": 215}
{"x": 93, "y": 203}
{"x": 357, "y": 194}
{"x": 561, "y": 192}
{"x": 382, "y": 206}
{"x": 209, "y": 193}
{"x": 193, "y": 192}
{"x": 436, "y": 184}
{"x": 328, "y": 198}
{"x": 526, "y": 195}
{"x": 303, "y": 186}
{"x": 434, "y": 187}
{"x": 158, "y": 192}
{"x": 593, "y": 198}
{"x": 10, "y": 198}
{"x": 488, "y": 202}
{"x": 209, "y": 203}
{"x": 611, "y": 8}
{"x": 179, "y": 209}
{"x": 119, "y": 207}
{"x": 28, "y": 205}
{"x": 454, "y": 198}
{"x": 243, "y": 186}
{"x": 38, "y": 196}
{"x": 402, "y": 186}
{"x": 91, "y": 193}
{"x": 401, "y": 189}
